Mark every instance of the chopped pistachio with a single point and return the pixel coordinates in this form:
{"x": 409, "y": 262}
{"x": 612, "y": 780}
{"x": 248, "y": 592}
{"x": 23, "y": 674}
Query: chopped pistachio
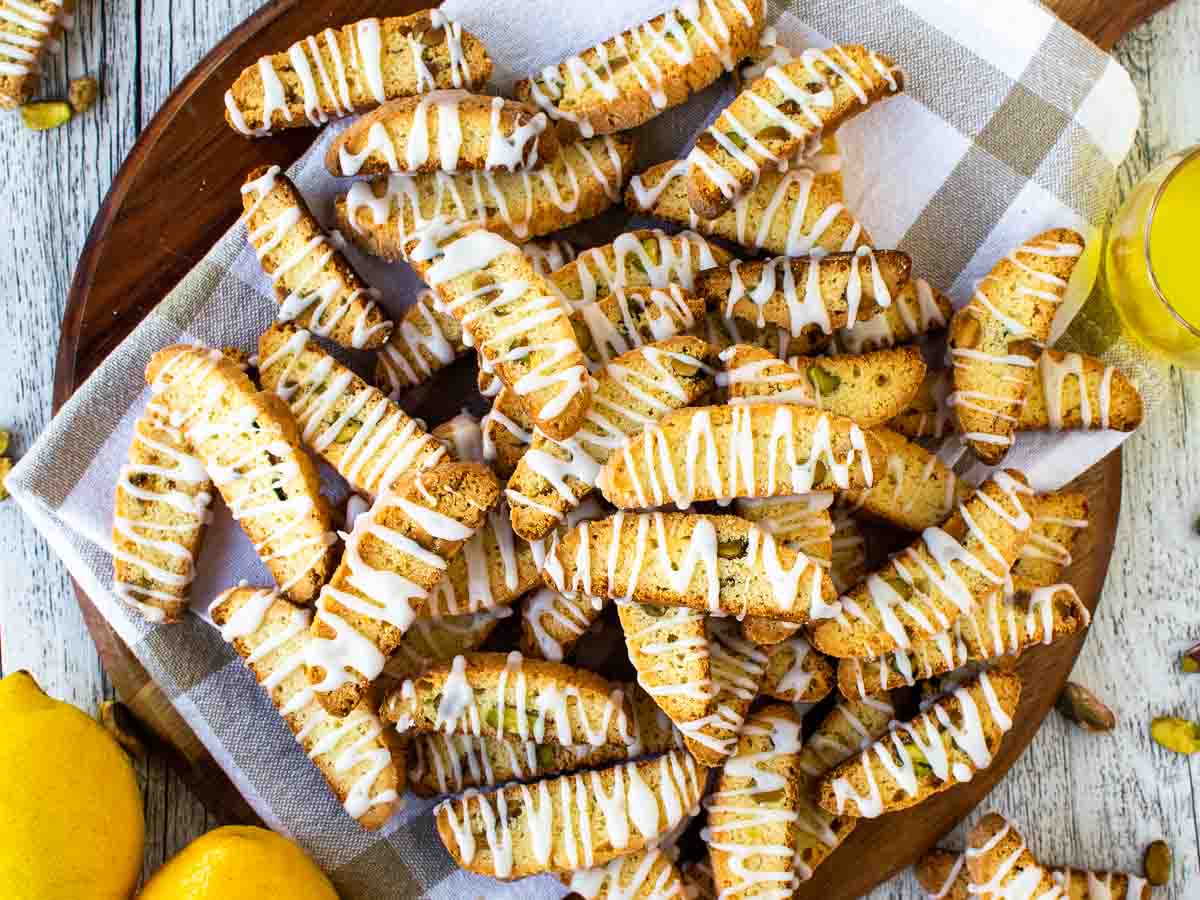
{"x": 1157, "y": 863}
{"x": 1175, "y": 734}
{"x": 731, "y": 549}
{"x": 545, "y": 757}
{"x": 82, "y": 94}
{"x": 45, "y": 115}
{"x": 1085, "y": 709}
{"x": 823, "y": 380}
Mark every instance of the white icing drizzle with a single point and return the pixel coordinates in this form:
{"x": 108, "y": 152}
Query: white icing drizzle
{"x": 647, "y": 875}
{"x": 1024, "y": 884}
{"x": 376, "y": 440}
{"x": 413, "y": 355}
{"x": 438, "y": 639}
{"x": 802, "y": 522}
{"x": 914, "y": 311}
{"x": 1054, "y": 374}
{"x": 21, "y": 54}
{"x": 567, "y": 614}
{"x": 628, "y": 262}
{"x": 796, "y": 678}
{"x": 928, "y": 733}
{"x": 661, "y": 650}
{"x": 652, "y": 53}
{"x": 549, "y": 255}
{"x": 322, "y": 297}
{"x": 487, "y": 585}
{"x": 365, "y": 63}
{"x": 737, "y": 667}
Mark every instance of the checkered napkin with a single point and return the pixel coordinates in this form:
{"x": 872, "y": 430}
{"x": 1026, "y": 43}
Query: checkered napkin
{"x": 1012, "y": 123}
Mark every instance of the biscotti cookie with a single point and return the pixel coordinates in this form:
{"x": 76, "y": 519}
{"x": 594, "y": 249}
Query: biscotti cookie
{"x": 632, "y": 391}
{"x": 632, "y": 77}
{"x": 740, "y": 451}
{"x": 753, "y": 811}
{"x": 725, "y": 565}
{"x": 869, "y": 389}
{"x": 913, "y": 489}
{"x": 28, "y": 31}
{"x": 923, "y": 589}
{"x": 1000, "y": 864}
{"x": 462, "y": 436}
{"x": 396, "y": 554}
{"x": 450, "y": 764}
{"x": 844, "y": 732}
{"x": 438, "y": 639}
{"x": 498, "y": 695}
{"x": 779, "y": 115}
{"x": 507, "y": 433}
{"x": 945, "y": 745}
{"x": 995, "y": 340}
{"x": 354, "y": 68}
{"x": 644, "y": 875}
{"x": 916, "y": 309}
{"x": 807, "y": 296}
{"x": 849, "y": 565}
{"x": 362, "y": 434}
{"x": 549, "y": 255}
{"x": 161, "y": 511}
{"x": 582, "y": 181}
{"x": 552, "y": 623}
{"x": 790, "y": 213}
{"x": 575, "y": 821}
{"x": 670, "y": 649}
{"x": 314, "y": 283}
{"x": 424, "y": 342}
{"x": 944, "y": 876}
{"x": 630, "y": 318}
{"x": 724, "y": 332}
{"x": 1058, "y": 517}
{"x": 646, "y": 258}
{"x": 520, "y": 329}
{"x": 355, "y": 753}
{"x": 796, "y": 673}
{"x": 250, "y": 446}
{"x": 446, "y": 131}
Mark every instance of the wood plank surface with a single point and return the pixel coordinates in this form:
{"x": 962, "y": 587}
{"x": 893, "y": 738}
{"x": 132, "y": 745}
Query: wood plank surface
{"x": 1084, "y": 800}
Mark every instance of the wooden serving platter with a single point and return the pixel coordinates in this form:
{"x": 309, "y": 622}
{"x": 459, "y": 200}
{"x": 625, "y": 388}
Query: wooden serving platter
{"x": 139, "y": 248}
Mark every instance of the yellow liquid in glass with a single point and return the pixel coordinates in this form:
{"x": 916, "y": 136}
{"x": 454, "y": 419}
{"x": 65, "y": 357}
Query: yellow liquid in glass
{"x": 1173, "y": 255}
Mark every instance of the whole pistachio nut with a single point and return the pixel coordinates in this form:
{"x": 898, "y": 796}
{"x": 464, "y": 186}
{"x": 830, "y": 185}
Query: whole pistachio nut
{"x": 1175, "y": 734}
{"x": 1157, "y": 863}
{"x": 1085, "y": 709}
{"x": 45, "y": 115}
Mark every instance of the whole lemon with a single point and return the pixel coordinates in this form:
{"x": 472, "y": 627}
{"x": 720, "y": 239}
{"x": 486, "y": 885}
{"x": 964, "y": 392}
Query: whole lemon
{"x": 239, "y": 862}
{"x": 70, "y": 812}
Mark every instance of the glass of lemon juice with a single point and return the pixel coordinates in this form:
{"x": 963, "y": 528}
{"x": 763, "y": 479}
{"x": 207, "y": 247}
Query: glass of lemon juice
{"x": 1152, "y": 261}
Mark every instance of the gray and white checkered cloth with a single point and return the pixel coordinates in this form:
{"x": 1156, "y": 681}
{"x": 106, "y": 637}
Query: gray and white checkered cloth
{"x": 1011, "y": 123}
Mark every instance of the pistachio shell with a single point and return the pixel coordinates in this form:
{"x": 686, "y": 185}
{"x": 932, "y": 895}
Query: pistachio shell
{"x": 1189, "y": 662}
{"x": 1084, "y": 708}
{"x": 1157, "y": 863}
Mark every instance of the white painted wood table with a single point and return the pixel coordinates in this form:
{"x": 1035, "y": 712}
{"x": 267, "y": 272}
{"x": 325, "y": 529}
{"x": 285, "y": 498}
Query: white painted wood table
{"x": 1084, "y": 800}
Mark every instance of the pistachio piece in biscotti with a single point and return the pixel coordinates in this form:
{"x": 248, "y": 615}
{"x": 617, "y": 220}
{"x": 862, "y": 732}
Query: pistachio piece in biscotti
{"x": 527, "y": 829}
{"x": 948, "y": 743}
{"x": 780, "y": 114}
{"x": 638, "y": 876}
{"x": 159, "y": 519}
{"x": 719, "y": 452}
{"x": 916, "y": 309}
{"x": 636, "y": 75}
{"x": 424, "y": 341}
{"x": 996, "y": 339}
{"x": 670, "y": 649}
{"x": 579, "y": 183}
{"x": 363, "y": 763}
{"x": 446, "y": 131}
{"x": 362, "y": 434}
{"x": 796, "y": 673}
{"x": 788, "y": 213}
{"x": 498, "y": 695}
{"x": 629, "y": 318}
{"x": 395, "y": 556}
{"x": 515, "y": 321}
{"x": 913, "y": 489}
{"x": 632, "y": 391}
{"x": 715, "y": 564}
{"x": 249, "y": 444}
{"x": 645, "y": 258}
{"x": 315, "y": 285}
{"x": 359, "y": 66}
{"x": 923, "y": 589}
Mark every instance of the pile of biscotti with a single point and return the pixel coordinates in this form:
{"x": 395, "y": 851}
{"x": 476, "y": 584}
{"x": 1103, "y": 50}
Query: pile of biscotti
{"x": 696, "y": 455}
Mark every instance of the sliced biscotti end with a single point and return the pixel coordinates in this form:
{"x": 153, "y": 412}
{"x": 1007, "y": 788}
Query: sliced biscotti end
{"x": 508, "y": 431}
{"x": 945, "y": 745}
{"x": 943, "y": 874}
{"x": 916, "y": 310}
{"x": 425, "y": 341}
{"x": 669, "y": 648}
{"x": 643, "y": 875}
{"x": 1059, "y": 518}
{"x": 1078, "y": 391}
{"x": 914, "y": 489}
{"x": 504, "y": 695}
{"x": 999, "y": 859}
{"x": 443, "y": 505}
{"x": 796, "y": 673}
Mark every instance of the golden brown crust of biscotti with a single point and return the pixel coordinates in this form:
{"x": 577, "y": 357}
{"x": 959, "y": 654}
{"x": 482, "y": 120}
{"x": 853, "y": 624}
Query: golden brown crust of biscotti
{"x": 763, "y": 218}
{"x": 516, "y": 323}
{"x": 913, "y": 595}
{"x": 996, "y": 339}
{"x": 550, "y": 254}
{"x": 777, "y": 116}
{"x": 490, "y": 133}
{"x": 724, "y": 332}
{"x": 549, "y": 840}
{"x": 552, "y": 623}
{"x": 544, "y": 702}
{"x": 916, "y": 309}
{"x": 849, "y": 564}
{"x": 507, "y": 433}
{"x": 640, "y": 68}
{"x": 360, "y": 761}
{"x": 982, "y": 711}
{"x": 796, "y": 673}
{"x": 438, "y": 639}
{"x": 645, "y": 258}
{"x": 644, "y": 875}
{"x": 449, "y": 58}
{"x": 846, "y": 288}
{"x": 944, "y": 875}
{"x": 162, "y": 497}
{"x": 680, "y": 681}
{"x": 629, "y": 318}
{"x": 733, "y": 566}
{"x": 586, "y": 176}
{"x": 314, "y": 283}
{"x": 914, "y": 489}
{"x": 997, "y": 856}
{"x": 362, "y": 434}
{"x": 393, "y": 560}
{"x": 44, "y": 29}
{"x": 633, "y": 389}
{"x": 250, "y": 439}
{"x": 1058, "y": 519}
{"x": 657, "y": 466}
{"x": 424, "y": 341}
